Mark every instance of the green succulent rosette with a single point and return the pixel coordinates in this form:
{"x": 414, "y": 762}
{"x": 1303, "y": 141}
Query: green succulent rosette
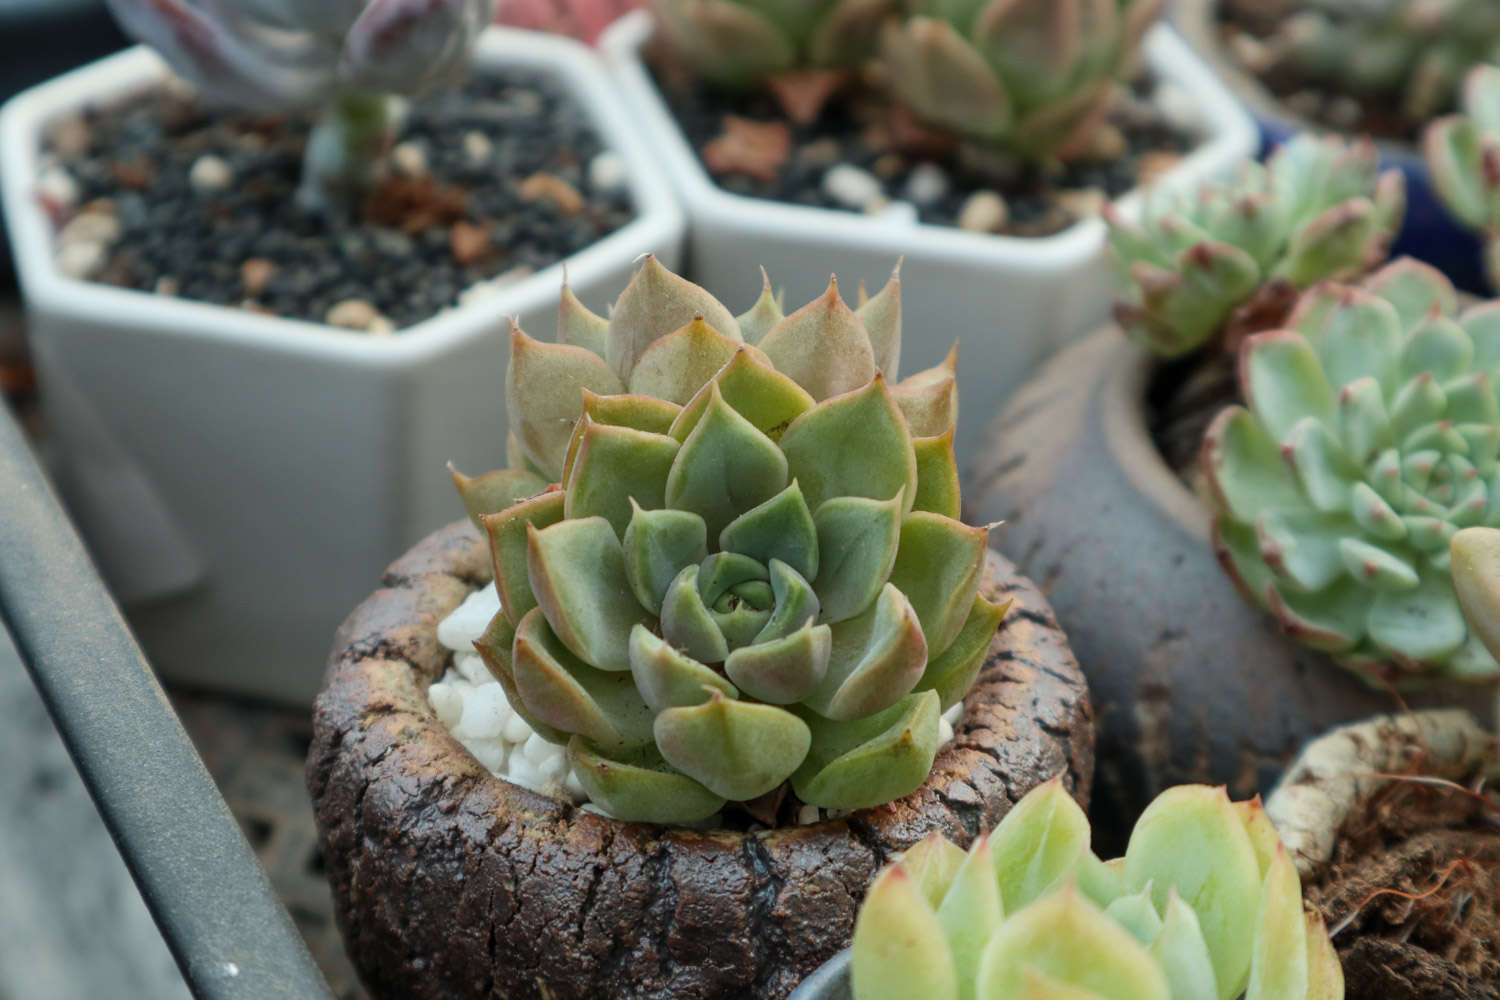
{"x": 1032, "y": 76}
{"x": 731, "y": 557}
{"x": 1369, "y": 438}
{"x": 1205, "y": 905}
{"x": 742, "y": 42}
{"x": 1463, "y": 155}
{"x": 1318, "y": 209}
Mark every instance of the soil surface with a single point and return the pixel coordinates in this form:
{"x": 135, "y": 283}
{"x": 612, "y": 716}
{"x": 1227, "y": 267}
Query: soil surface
{"x": 1245, "y": 25}
{"x": 449, "y": 882}
{"x": 1413, "y": 894}
{"x": 486, "y": 185}
{"x": 858, "y": 156}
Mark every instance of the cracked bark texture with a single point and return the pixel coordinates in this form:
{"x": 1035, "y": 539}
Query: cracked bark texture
{"x": 451, "y": 883}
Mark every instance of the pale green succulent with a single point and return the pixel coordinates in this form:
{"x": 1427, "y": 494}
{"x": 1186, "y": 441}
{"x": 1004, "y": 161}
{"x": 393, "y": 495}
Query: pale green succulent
{"x": 1463, "y": 156}
{"x": 1370, "y": 438}
{"x": 750, "y": 570}
{"x": 1476, "y": 579}
{"x": 1318, "y": 209}
{"x": 742, "y": 42}
{"x": 1205, "y": 905}
{"x": 1035, "y": 77}
{"x": 1410, "y": 54}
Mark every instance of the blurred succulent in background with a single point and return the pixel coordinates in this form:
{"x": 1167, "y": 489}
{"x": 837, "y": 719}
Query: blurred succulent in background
{"x": 1034, "y": 77}
{"x": 1408, "y": 54}
{"x": 1318, "y": 209}
{"x": 751, "y": 569}
{"x": 1205, "y": 905}
{"x": 582, "y": 19}
{"x": 1371, "y": 436}
{"x": 1463, "y": 154}
{"x": 343, "y": 58}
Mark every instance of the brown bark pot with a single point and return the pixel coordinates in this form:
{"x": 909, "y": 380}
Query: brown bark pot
{"x": 1189, "y": 682}
{"x": 449, "y": 882}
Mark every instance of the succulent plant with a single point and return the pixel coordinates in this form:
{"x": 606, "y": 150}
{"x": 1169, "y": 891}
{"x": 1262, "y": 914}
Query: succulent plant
{"x": 1205, "y": 905}
{"x": 731, "y": 556}
{"x": 1463, "y": 155}
{"x": 1370, "y": 438}
{"x": 1411, "y": 54}
{"x": 1035, "y": 77}
{"x": 1318, "y": 209}
{"x": 1475, "y": 556}
{"x": 340, "y": 57}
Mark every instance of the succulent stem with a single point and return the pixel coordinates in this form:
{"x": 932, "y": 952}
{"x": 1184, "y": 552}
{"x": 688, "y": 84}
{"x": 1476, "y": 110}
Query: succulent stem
{"x": 344, "y": 149}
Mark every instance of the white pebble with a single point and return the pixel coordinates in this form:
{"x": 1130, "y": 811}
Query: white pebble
{"x": 353, "y": 314}
{"x": 490, "y": 753}
{"x": 210, "y": 173}
{"x": 523, "y": 772}
{"x": 945, "y": 732}
{"x": 81, "y": 260}
{"x": 477, "y": 148}
{"x": 477, "y": 292}
{"x": 954, "y": 714}
{"x": 537, "y": 749}
{"x": 90, "y": 227}
{"x": 607, "y": 171}
{"x": 469, "y": 620}
{"x": 553, "y": 769}
{"x": 807, "y": 815}
{"x": 471, "y": 667}
{"x": 485, "y": 714}
{"x": 447, "y": 703}
{"x": 983, "y": 212}
{"x": 853, "y": 187}
{"x": 928, "y": 182}
{"x": 516, "y": 729}
{"x": 58, "y": 188}
{"x": 410, "y": 160}
{"x": 1176, "y": 106}
{"x": 574, "y": 787}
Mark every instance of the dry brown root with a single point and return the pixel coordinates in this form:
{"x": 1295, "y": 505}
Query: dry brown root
{"x": 1337, "y": 772}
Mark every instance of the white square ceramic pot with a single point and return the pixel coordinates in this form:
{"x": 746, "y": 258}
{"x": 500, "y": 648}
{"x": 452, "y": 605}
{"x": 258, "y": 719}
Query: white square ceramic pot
{"x": 241, "y": 478}
{"x": 1011, "y": 301}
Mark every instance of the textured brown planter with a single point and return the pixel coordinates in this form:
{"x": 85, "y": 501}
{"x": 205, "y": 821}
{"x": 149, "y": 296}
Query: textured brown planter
{"x": 1189, "y": 682}
{"x": 451, "y": 883}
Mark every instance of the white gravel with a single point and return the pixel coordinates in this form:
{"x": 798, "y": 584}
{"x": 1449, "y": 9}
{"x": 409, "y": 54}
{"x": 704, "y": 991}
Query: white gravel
{"x": 853, "y": 187}
{"x": 471, "y": 704}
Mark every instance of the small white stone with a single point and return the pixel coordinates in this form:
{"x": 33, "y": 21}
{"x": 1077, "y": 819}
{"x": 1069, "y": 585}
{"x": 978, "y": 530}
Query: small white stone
{"x": 380, "y": 327}
{"x": 490, "y": 753}
{"x": 607, "y": 171}
{"x": 478, "y": 292}
{"x": 485, "y": 714}
{"x": 58, "y": 188}
{"x": 574, "y": 787}
{"x": 81, "y": 260}
{"x": 954, "y": 714}
{"x": 928, "y": 182}
{"x": 852, "y": 187}
{"x": 410, "y": 160}
{"x": 471, "y": 667}
{"x": 90, "y": 227}
{"x": 807, "y": 815}
{"x": 447, "y": 703}
{"x": 469, "y": 620}
{"x": 516, "y": 730}
{"x": 1176, "y": 106}
{"x": 537, "y": 749}
{"x": 945, "y": 732}
{"x": 209, "y": 174}
{"x": 353, "y": 314}
{"x": 553, "y": 769}
{"x": 983, "y": 212}
{"x": 477, "y": 148}
{"x": 524, "y": 773}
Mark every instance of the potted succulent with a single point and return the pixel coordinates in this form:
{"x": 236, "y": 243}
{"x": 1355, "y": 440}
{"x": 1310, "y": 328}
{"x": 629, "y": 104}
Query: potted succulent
{"x": 1204, "y": 904}
{"x": 1463, "y": 151}
{"x": 1393, "y": 831}
{"x": 190, "y": 435}
{"x": 737, "y": 652}
{"x": 1385, "y": 69}
{"x": 993, "y": 203}
{"x": 1152, "y": 464}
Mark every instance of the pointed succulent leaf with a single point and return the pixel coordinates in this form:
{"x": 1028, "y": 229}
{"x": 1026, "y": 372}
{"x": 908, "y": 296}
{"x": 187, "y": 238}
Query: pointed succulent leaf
{"x": 579, "y": 326}
{"x": 725, "y": 467}
{"x": 929, "y": 399}
{"x": 823, "y": 347}
{"x": 1415, "y": 289}
{"x": 1360, "y": 338}
{"x": 766, "y": 313}
{"x": 933, "y": 863}
{"x": 1423, "y": 622}
{"x": 971, "y": 911}
{"x": 853, "y": 445}
{"x": 493, "y": 492}
{"x": 668, "y": 678}
{"x": 944, "y": 80}
{"x": 639, "y": 786}
{"x": 507, "y": 532}
{"x": 881, "y": 317}
{"x": 937, "y": 476}
{"x": 687, "y": 623}
{"x": 654, "y": 304}
{"x": 618, "y": 469}
{"x": 644, "y": 413}
{"x": 784, "y": 670}
{"x": 577, "y": 572}
{"x": 1038, "y": 845}
{"x": 1284, "y": 381}
{"x": 1325, "y": 974}
{"x": 728, "y": 42}
{"x": 796, "y": 603}
{"x": 737, "y": 749}
{"x": 938, "y": 566}
{"x": 1263, "y": 835}
{"x": 952, "y": 672}
{"x": 1137, "y": 914}
{"x": 1279, "y": 965}
{"x": 867, "y": 761}
{"x": 1182, "y": 953}
{"x": 857, "y": 544}
{"x": 676, "y": 367}
{"x": 780, "y": 528}
{"x": 900, "y": 950}
{"x": 758, "y": 392}
{"x": 571, "y": 696}
{"x": 544, "y": 395}
{"x": 658, "y": 544}
{"x": 1439, "y": 346}
{"x": 876, "y": 659}
{"x": 1244, "y": 467}
{"x": 496, "y": 647}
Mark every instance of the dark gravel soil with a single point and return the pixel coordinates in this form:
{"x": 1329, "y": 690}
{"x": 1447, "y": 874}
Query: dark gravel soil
{"x": 854, "y": 129}
{"x": 413, "y": 246}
